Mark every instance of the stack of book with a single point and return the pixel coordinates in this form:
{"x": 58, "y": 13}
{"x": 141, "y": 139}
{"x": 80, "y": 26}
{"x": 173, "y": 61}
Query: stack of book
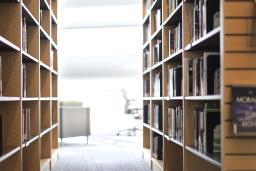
{"x": 175, "y": 123}
{"x": 26, "y": 136}
{"x": 175, "y": 39}
{"x": 205, "y": 17}
{"x": 157, "y": 151}
{"x": 173, "y": 5}
{"x": 175, "y": 81}
{"x": 157, "y": 84}
{"x": 146, "y": 111}
{"x": 157, "y": 51}
{"x": 146, "y": 60}
{"x": 24, "y": 35}
{"x": 158, "y": 121}
{"x": 204, "y": 75}
{"x": 24, "y": 80}
{"x": 207, "y": 128}
{"x": 147, "y": 88}
{"x": 158, "y": 19}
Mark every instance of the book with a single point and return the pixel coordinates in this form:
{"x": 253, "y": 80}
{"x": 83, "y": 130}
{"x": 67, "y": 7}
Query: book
{"x": 217, "y": 139}
{"x": 175, "y": 123}
{"x": 24, "y": 35}
{"x": 244, "y": 110}
{"x": 157, "y": 109}
{"x": 157, "y": 148}
{"x": 171, "y": 83}
{"x": 146, "y": 60}
{"x": 216, "y": 19}
{"x": 175, "y": 39}
{"x": 177, "y": 83}
{"x": 1, "y": 77}
{"x": 157, "y": 84}
{"x": 157, "y": 51}
{"x": 1, "y": 136}
{"x": 211, "y": 120}
{"x": 195, "y": 20}
{"x": 158, "y": 19}
{"x": 51, "y": 57}
{"x": 26, "y": 125}
{"x": 147, "y": 88}
{"x": 146, "y": 111}
{"x": 211, "y": 73}
{"x": 24, "y": 80}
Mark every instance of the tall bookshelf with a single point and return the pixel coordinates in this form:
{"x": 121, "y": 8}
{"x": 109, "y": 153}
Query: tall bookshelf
{"x": 29, "y": 73}
{"x": 232, "y": 44}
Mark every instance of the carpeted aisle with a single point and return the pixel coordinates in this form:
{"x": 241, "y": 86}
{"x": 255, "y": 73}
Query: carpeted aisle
{"x": 102, "y": 154}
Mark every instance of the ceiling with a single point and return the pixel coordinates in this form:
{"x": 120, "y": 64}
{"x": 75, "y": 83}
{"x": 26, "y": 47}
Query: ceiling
{"x": 86, "y": 3}
{"x": 99, "y": 38}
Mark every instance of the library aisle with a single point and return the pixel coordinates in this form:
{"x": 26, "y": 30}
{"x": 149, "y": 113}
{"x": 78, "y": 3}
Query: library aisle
{"x": 108, "y": 153}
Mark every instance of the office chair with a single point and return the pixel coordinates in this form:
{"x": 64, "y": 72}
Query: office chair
{"x": 130, "y": 110}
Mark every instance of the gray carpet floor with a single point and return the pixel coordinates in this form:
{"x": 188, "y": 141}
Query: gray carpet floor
{"x": 103, "y": 153}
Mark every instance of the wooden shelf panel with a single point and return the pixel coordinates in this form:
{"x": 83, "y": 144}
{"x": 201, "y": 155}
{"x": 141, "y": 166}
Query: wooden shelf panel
{"x": 44, "y": 163}
{"x": 159, "y": 163}
{"x": 8, "y": 152}
{"x": 173, "y": 140}
{"x": 8, "y": 99}
{"x": 45, "y": 131}
{"x": 175, "y": 17}
{"x": 27, "y": 58}
{"x": 30, "y": 98}
{"x": 157, "y": 131}
{"x": 208, "y": 98}
{"x": 6, "y": 45}
{"x": 27, "y": 143}
{"x": 44, "y": 35}
{"x": 44, "y": 5}
{"x": 147, "y": 125}
{"x": 177, "y": 56}
{"x": 213, "y": 159}
{"x": 208, "y": 42}
{"x": 30, "y": 19}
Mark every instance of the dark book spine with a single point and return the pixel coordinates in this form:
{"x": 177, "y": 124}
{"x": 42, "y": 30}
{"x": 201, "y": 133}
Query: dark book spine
{"x": 1, "y": 136}
{"x": 1, "y": 77}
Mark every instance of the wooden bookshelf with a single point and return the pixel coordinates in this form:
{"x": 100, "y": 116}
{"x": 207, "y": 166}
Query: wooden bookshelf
{"x": 29, "y": 52}
{"x": 233, "y": 39}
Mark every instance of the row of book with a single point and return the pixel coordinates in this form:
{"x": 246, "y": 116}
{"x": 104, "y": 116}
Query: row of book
{"x": 158, "y": 119}
{"x": 175, "y": 123}
{"x": 175, "y": 39}
{"x": 205, "y": 17}
{"x": 158, "y": 19}
{"x": 146, "y": 60}
{"x": 24, "y": 80}
{"x": 146, "y": 113}
{"x": 24, "y": 35}
{"x": 207, "y": 128}
{"x": 175, "y": 81}
{"x": 172, "y": 4}
{"x": 157, "y": 51}
{"x": 204, "y": 74}
{"x": 146, "y": 32}
{"x": 157, "y": 84}
{"x": 157, "y": 150}
{"x": 26, "y": 128}
{"x": 146, "y": 87}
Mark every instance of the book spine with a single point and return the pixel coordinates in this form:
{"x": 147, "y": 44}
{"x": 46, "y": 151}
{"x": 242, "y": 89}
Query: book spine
{"x": 1, "y": 136}
{"x": 1, "y": 77}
